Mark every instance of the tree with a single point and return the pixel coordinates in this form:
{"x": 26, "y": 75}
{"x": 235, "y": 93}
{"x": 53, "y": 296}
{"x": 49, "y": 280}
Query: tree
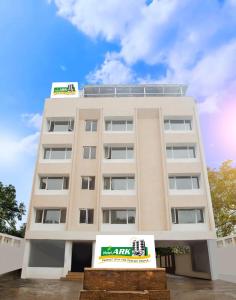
{"x": 10, "y": 211}
{"x": 223, "y": 193}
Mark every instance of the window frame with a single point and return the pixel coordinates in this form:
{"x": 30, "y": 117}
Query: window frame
{"x": 188, "y": 147}
{"x": 122, "y": 177}
{"x": 88, "y": 183}
{"x": 87, "y": 210}
{"x": 70, "y": 121}
{"x": 66, "y": 150}
{"x": 119, "y": 120}
{"x": 175, "y": 216}
{"x": 43, "y": 215}
{"x": 185, "y": 120}
{"x": 186, "y": 176}
{"x": 110, "y": 216}
{"x": 108, "y": 149}
{"x": 92, "y": 125}
{"x": 64, "y": 179}
{"x": 90, "y": 152}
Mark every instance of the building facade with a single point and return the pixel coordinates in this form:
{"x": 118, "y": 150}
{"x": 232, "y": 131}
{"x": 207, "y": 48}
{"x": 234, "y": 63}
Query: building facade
{"x": 118, "y": 159}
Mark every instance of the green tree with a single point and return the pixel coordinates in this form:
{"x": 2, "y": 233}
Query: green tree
{"x": 10, "y": 210}
{"x": 223, "y": 193}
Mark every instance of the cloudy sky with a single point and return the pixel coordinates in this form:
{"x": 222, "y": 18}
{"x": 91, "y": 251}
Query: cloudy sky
{"x": 113, "y": 41}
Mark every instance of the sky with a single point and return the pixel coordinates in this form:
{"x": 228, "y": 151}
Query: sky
{"x": 112, "y": 41}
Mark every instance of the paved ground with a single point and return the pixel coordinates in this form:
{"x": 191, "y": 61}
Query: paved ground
{"x": 14, "y": 288}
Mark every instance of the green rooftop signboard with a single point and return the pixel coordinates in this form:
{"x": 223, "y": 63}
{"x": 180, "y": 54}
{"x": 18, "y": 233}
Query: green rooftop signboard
{"x": 64, "y": 90}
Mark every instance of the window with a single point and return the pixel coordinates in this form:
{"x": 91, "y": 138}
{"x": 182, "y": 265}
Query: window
{"x": 57, "y": 153}
{"x": 88, "y": 182}
{"x": 60, "y": 126}
{"x": 89, "y": 152}
{"x": 179, "y": 152}
{"x": 91, "y": 125}
{"x": 178, "y": 125}
{"x": 54, "y": 183}
{"x": 118, "y": 216}
{"x": 187, "y": 215}
{"x": 111, "y": 152}
{"x": 119, "y": 183}
{"x": 86, "y": 216}
{"x": 50, "y": 216}
{"x": 184, "y": 182}
{"x": 119, "y": 125}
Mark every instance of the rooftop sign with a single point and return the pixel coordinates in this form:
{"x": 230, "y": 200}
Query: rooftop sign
{"x": 64, "y": 90}
{"x": 125, "y": 251}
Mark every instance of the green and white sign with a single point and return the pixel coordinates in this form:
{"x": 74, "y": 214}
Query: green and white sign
{"x": 125, "y": 251}
{"x": 64, "y": 90}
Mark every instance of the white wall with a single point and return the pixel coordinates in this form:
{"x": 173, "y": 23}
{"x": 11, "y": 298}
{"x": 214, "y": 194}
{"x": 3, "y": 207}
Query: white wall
{"x": 225, "y": 256}
{"x": 11, "y": 253}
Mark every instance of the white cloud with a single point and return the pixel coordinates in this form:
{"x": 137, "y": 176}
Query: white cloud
{"x": 15, "y": 150}
{"x": 32, "y": 120}
{"x": 194, "y": 39}
{"x": 113, "y": 70}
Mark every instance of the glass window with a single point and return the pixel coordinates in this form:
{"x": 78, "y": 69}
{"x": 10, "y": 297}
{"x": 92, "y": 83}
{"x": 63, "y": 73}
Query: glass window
{"x": 54, "y": 183}
{"x": 91, "y": 125}
{"x": 195, "y": 182}
{"x": 130, "y": 152}
{"x": 63, "y": 216}
{"x": 172, "y": 183}
{"x": 107, "y": 183}
{"x": 86, "y": 152}
{"x": 46, "y": 153}
{"x": 118, "y": 153}
{"x": 118, "y": 217}
{"x": 118, "y": 183}
{"x": 119, "y": 125}
{"x": 60, "y": 126}
{"x": 38, "y": 216}
{"x": 130, "y": 181}
{"x": 131, "y": 216}
{"x": 82, "y": 218}
{"x": 88, "y": 182}
{"x": 43, "y": 183}
{"x": 129, "y": 125}
{"x": 178, "y": 124}
{"x": 108, "y": 125}
{"x": 86, "y": 216}
{"x": 187, "y": 216}
{"x": 68, "y": 153}
{"x": 192, "y": 153}
{"x": 90, "y": 216}
{"x": 51, "y": 216}
{"x": 183, "y": 183}
{"x": 180, "y": 152}
{"x": 105, "y": 216}
{"x": 58, "y": 153}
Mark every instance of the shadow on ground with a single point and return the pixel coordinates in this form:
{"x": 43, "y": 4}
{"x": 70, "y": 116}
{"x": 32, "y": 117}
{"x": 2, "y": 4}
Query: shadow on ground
{"x": 14, "y": 288}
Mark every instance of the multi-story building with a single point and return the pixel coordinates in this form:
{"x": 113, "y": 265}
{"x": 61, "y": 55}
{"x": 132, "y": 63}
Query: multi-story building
{"x": 119, "y": 159}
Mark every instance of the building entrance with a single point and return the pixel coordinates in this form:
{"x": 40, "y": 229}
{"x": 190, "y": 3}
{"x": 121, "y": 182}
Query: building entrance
{"x": 81, "y": 256}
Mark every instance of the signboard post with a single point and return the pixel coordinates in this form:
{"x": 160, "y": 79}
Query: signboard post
{"x": 125, "y": 251}
{"x": 64, "y": 90}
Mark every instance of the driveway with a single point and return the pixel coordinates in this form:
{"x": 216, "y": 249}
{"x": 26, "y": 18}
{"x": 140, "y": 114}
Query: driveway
{"x": 14, "y": 288}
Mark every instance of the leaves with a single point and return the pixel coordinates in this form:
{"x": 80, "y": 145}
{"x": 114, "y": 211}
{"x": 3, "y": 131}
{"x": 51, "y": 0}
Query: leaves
{"x": 10, "y": 211}
{"x": 223, "y": 193}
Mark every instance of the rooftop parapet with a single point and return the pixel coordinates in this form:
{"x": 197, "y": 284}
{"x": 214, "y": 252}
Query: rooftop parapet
{"x": 138, "y": 90}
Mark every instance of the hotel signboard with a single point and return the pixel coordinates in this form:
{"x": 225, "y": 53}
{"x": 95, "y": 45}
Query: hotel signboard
{"x": 125, "y": 251}
{"x": 64, "y": 90}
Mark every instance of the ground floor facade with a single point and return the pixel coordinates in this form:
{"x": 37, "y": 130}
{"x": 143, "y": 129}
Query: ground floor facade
{"x": 54, "y": 258}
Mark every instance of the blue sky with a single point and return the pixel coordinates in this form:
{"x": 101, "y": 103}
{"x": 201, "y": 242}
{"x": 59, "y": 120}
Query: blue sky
{"x": 181, "y": 41}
